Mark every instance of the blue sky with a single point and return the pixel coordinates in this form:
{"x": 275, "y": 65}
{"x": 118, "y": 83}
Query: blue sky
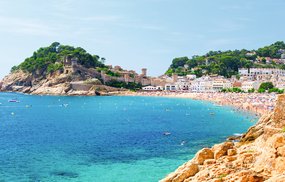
{"x": 138, "y": 33}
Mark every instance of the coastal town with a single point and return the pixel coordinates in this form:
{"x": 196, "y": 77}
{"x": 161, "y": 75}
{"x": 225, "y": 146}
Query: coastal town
{"x": 207, "y": 87}
{"x": 244, "y": 89}
{"x": 142, "y": 91}
{"x": 211, "y": 87}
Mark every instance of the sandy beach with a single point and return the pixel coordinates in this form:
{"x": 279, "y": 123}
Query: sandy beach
{"x": 259, "y": 103}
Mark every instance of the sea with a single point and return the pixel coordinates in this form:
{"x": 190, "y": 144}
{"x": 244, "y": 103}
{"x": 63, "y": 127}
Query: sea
{"x": 108, "y": 138}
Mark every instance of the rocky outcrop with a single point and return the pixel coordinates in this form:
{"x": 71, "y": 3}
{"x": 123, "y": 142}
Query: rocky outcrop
{"x": 259, "y": 156}
{"x": 82, "y": 82}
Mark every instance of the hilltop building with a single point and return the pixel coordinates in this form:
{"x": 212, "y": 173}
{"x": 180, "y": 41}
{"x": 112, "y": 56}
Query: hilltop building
{"x": 70, "y": 64}
{"x": 126, "y": 76}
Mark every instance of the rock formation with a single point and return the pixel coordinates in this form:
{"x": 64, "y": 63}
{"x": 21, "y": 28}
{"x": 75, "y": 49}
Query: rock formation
{"x": 81, "y": 82}
{"x": 258, "y": 156}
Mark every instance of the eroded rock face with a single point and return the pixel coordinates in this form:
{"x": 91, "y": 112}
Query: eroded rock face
{"x": 259, "y": 156}
{"x": 56, "y": 83}
{"x": 222, "y": 149}
{"x": 187, "y": 170}
{"x": 203, "y": 155}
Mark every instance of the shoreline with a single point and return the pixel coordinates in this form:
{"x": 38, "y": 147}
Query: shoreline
{"x": 257, "y": 103}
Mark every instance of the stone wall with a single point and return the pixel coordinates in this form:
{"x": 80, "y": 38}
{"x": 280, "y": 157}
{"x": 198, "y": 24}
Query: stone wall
{"x": 80, "y": 86}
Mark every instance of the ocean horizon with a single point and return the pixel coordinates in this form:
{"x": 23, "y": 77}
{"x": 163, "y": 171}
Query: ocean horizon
{"x": 112, "y": 138}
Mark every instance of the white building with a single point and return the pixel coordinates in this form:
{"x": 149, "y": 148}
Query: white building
{"x": 152, "y": 88}
{"x": 202, "y": 84}
{"x": 221, "y": 83}
{"x": 170, "y": 87}
{"x": 248, "y": 85}
{"x": 264, "y": 74}
{"x": 280, "y": 85}
{"x": 182, "y": 83}
{"x": 210, "y": 84}
{"x": 191, "y": 77}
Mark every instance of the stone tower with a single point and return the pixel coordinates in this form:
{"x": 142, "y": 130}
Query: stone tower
{"x": 70, "y": 64}
{"x": 144, "y": 72}
{"x": 174, "y": 77}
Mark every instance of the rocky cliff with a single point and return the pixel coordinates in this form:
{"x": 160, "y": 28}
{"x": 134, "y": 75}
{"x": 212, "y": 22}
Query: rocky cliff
{"x": 58, "y": 70}
{"x": 81, "y": 82}
{"x": 258, "y": 156}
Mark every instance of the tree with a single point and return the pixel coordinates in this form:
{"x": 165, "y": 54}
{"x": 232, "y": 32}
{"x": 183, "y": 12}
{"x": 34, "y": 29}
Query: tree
{"x": 45, "y": 58}
{"x": 263, "y": 60}
{"x": 251, "y": 90}
{"x": 261, "y": 90}
{"x": 266, "y": 85}
{"x": 13, "y": 69}
{"x": 226, "y": 63}
{"x": 103, "y": 60}
{"x": 179, "y": 62}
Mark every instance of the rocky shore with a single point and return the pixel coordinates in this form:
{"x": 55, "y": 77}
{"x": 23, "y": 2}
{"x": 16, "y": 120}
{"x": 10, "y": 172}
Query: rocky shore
{"x": 259, "y": 155}
{"x": 57, "y": 83}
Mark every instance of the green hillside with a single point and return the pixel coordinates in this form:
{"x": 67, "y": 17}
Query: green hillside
{"x": 226, "y": 63}
{"x": 49, "y": 59}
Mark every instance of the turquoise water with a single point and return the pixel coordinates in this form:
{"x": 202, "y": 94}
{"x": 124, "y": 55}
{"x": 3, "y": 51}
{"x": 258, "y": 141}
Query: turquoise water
{"x": 49, "y": 138}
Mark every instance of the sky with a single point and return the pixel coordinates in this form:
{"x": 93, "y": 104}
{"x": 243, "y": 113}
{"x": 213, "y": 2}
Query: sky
{"x": 137, "y": 34}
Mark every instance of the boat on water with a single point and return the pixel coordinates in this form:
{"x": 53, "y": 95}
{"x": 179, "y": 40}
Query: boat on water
{"x": 13, "y": 100}
{"x": 166, "y": 133}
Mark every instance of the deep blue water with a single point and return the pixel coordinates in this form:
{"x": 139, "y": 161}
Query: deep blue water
{"x": 49, "y": 138}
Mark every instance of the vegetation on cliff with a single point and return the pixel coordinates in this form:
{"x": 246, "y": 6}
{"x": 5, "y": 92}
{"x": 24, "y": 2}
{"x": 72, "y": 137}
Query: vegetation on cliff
{"x": 131, "y": 85}
{"x": 49, "y": 59}
{"x": 226, "y": 63}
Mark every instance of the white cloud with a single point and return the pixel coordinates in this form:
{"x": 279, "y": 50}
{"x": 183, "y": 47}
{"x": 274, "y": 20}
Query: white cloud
{"x": 26, "y": 26}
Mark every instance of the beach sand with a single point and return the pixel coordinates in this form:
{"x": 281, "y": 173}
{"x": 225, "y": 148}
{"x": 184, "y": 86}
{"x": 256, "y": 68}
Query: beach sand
{"x": 259, "y": 103}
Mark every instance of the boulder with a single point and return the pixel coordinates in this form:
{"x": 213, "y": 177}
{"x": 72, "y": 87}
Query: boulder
{"x": 203, "y": 155}
{"x": 276, "y": 141}
{"x": 278, "y": 178}
{"x": 232, "y": 152}
{"x": 280, "y": 165}
{"x": 190, "y": 169}
{"x": 281, "y": 151}
{"x": 209, "y": 161}
{"x": 222, "y": 149}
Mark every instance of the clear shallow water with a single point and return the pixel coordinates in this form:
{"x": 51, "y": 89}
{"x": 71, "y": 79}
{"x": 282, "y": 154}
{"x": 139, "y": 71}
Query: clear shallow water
{"x": 106, "y": 138}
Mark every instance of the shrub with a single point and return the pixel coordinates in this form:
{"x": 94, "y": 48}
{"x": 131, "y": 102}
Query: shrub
{"x": 266, "y": 85}
{"x": 261, "y": 90}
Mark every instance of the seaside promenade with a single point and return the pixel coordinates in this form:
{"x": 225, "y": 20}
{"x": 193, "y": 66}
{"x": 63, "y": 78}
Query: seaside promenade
{"x": 259, "y": 103}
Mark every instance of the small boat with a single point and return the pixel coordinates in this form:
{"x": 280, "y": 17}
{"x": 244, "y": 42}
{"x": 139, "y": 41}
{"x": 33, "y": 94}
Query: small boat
{"x": 13, "y": 100}
{"x": 64, "y": 105}
{"x": 166, "y": 133}
{"x": 212, "y": 113}
{"x": 183, "y": 142}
